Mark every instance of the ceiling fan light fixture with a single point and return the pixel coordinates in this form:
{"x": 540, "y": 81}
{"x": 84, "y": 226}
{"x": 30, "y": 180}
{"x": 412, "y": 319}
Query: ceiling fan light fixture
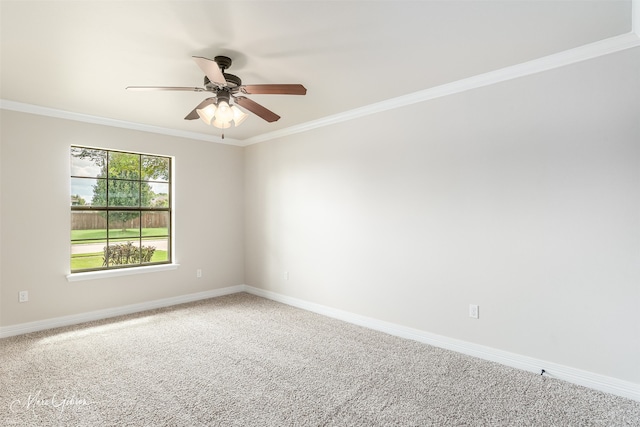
{"x": 221, "y": 115}
{"x": 239, "y": 116}
{"x": 207, "y": 113}
{"x": 224, "y": 113}
{"x": 221, "y": 124}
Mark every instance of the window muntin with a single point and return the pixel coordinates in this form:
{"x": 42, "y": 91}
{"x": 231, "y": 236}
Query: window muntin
{"x": 120, "y": 209}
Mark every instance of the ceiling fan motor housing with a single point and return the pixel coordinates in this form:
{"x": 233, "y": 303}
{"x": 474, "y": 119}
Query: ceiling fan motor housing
{"x": 232, "y": 81}
{"x": 223, "y": 62}
{"x": 223, "y": 95}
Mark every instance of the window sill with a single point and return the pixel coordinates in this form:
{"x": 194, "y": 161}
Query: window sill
{"x": 91, "y": 275}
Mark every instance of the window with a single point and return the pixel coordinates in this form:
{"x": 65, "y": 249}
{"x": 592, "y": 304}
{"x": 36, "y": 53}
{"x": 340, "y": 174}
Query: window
{"x": 120, "y": 209}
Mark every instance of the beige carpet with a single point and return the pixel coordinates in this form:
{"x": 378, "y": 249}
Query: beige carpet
{"x": 241, "y": 360}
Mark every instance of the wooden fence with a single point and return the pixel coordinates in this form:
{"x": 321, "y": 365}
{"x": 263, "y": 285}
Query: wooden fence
{"x": 95, "y": 221}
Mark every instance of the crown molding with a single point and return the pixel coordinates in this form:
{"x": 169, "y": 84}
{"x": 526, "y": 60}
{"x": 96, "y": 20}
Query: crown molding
{"x": 561, "y": 59}
{"x": 85, "y": 118}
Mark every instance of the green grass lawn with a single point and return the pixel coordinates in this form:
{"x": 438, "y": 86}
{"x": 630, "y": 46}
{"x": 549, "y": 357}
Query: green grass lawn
{"x": 94, "y": 260}
{"x": 88, "y": 236}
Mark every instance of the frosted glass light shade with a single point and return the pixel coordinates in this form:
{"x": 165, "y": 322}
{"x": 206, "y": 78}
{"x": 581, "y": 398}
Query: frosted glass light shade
{"x": 220, "y": 124}
{"x": 238, "y": 115}
{"x": 224, "y": 113}
{"x": 207, "y": 113}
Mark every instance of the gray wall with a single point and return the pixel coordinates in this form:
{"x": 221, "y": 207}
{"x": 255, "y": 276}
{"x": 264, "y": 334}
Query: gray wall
{"x": 522, "y": 197}
{"x": 35, "y": 253}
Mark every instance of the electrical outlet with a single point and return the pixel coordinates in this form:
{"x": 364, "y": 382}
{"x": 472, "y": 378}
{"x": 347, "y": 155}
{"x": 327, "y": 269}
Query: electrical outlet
{"x": 23, "y": 296}
{"x": 198, "y": 273}
{"x": 474, "y": 311}
{"x": 286, "y": 275}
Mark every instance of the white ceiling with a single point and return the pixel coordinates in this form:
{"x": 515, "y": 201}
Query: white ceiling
{"x": 78, "y": 56}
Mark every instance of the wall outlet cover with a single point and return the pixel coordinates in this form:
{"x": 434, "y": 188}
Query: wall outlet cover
{"x": 474, "y": 311}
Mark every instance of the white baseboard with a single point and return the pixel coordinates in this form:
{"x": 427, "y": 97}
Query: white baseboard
{"x": 56, "y": 322}
{"x": 576, "y": 376}
{"x": 591, "y": 380}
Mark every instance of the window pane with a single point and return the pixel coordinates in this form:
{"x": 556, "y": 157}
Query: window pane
{"x": 87, "y": 162}
{"x": 124, "y": 165}
{"x": 87, "y": 255}
{"x": 88, "y": 226}
{"x": 123, "y": 252}
{"x": 124, "y": 224}
{"x": 155, "y": 250}
{"x": 157, "y": 195}
{"x": 155, "y": 168}
{"x": 124, "y": 193}
{"x": 88, "y": 192}
{"x": 155, "y": 224}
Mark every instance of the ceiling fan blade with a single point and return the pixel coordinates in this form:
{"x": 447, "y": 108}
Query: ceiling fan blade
{"x": 274, "y": 89}
{"x": 150, "y": 88}
{"x": 257, "y": 109}
{"x": 210, "y": 68}
{"x": 194, "y": 114}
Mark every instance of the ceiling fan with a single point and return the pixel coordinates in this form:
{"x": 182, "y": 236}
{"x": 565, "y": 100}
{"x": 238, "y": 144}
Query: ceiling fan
{"x": 218, "y": 110}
